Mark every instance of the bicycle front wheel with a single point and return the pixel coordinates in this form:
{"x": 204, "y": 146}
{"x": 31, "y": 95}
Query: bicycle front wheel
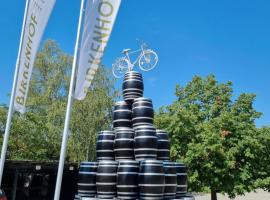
{"x": 148, "y": 60}
{"x": 120, "y": 67}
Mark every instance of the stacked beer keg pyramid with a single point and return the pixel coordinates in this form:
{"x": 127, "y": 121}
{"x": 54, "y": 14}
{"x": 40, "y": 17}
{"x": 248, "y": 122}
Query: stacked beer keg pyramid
{"x": 133, "y": 159}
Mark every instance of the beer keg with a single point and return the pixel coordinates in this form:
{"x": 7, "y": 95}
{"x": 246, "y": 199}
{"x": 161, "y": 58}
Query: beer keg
{"x": 181, "y": 172}
{"x": 104, "y": 149}
{"x": 170, "y": 180}
{"x": 106, "y": 179}
{"x": 124, "y": 144}
{"x": 151, "y": 180}
{"x": 122, "y": 115}
{"x": 163, "y": 150}
{"x": 145, "y": 146}
{"x": 87, "y": 179}
{"x": 132, "y": 86}
{"x": 127, "y": 179}
{"x": 142, "y": 112}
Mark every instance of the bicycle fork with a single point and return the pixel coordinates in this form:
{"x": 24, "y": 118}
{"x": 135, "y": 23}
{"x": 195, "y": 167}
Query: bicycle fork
{"x": 130, "y": 66}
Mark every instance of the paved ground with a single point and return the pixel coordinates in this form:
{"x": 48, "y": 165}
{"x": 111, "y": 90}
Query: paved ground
{"x": 260, "y": 195}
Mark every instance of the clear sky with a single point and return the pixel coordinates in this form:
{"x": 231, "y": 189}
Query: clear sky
{"x": 228, "y": 38}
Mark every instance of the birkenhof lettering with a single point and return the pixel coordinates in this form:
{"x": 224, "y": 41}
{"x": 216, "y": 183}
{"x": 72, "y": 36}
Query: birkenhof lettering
{"x": 38, "y": 6}
{"x": 101, "y": 33}
{"x": 31, "y": 31}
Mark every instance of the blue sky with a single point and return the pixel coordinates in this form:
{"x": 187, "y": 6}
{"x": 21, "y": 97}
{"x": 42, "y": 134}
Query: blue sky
{"x": 227, "y": 38}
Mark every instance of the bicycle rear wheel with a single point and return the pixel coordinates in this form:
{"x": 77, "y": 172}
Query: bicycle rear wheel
{"x": 148, "y": 60}
{"x": 120, "y": 67}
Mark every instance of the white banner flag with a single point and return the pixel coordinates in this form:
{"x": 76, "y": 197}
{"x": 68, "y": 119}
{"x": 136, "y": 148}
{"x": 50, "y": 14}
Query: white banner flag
{"x": 37, "y": 17}
{"x": 99, "y": 19}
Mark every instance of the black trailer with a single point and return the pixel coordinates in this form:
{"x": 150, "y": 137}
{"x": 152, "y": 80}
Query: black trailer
{"x": 33, "y": 180}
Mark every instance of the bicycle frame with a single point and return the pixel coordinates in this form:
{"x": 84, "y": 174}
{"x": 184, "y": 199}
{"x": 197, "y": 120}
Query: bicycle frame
{"x": 130, "y": 64}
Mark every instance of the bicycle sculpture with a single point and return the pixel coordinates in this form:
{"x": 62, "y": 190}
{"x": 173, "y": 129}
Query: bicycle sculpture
{"x": 146, "y": 61}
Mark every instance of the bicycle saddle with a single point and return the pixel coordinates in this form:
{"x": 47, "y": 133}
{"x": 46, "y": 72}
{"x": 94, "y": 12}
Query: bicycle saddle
{"x": 126, "y": 51}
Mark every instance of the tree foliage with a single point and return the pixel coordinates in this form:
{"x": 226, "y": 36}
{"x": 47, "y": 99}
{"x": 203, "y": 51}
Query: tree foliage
{"x": 261, "y": 165}
{"x": 37, "y": 134}
{"x": 92, "y": 115}
{"x": 215, "y": 135}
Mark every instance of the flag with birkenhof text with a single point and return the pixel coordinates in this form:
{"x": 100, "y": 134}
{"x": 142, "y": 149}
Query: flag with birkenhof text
{"x": 37, "y": 16}
{"x": 99, "y": 18}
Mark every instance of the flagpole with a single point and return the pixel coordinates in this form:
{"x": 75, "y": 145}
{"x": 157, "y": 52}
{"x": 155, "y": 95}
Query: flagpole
{"x": 68, "y": 111}
{"x": 11, "y": 104}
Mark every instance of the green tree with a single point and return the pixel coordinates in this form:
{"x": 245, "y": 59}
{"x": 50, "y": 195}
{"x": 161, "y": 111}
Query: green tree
{"x": 214, "y": 135}
{"x": 3, "y": 114}
{"x": 92, "y": 115}
{"x": 36, "y": 135}
{"x": 48, "y": 95}
{"x": 262, "y": 167}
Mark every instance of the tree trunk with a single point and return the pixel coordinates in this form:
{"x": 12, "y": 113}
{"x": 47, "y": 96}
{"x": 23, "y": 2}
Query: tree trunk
{"x": 213, "y": 194}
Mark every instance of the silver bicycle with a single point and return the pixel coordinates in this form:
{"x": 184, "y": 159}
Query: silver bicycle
{"x": 147, "y": 60}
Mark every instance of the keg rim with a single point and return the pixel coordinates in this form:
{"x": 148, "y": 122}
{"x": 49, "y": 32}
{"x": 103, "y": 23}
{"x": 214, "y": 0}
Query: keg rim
{"x": 132, "y": 79}
{"x": 123, "y": 128}
{"x": 145, "y": 125}
{"x": 143, "y": 98}
{"x": 129, "y": 89}
{"x": 128, "y": 161}
{"x": 121, "y": 103}
{"x": 100, "y": 162}
{"x": 151, "y": 161}
{"x": 169, "y": 163}
{"x": 132, "y": 71}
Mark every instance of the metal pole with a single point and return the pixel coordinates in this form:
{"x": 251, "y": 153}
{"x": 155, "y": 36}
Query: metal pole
{"x": 11, "y": 104}
{"x": 68, "y": 112}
